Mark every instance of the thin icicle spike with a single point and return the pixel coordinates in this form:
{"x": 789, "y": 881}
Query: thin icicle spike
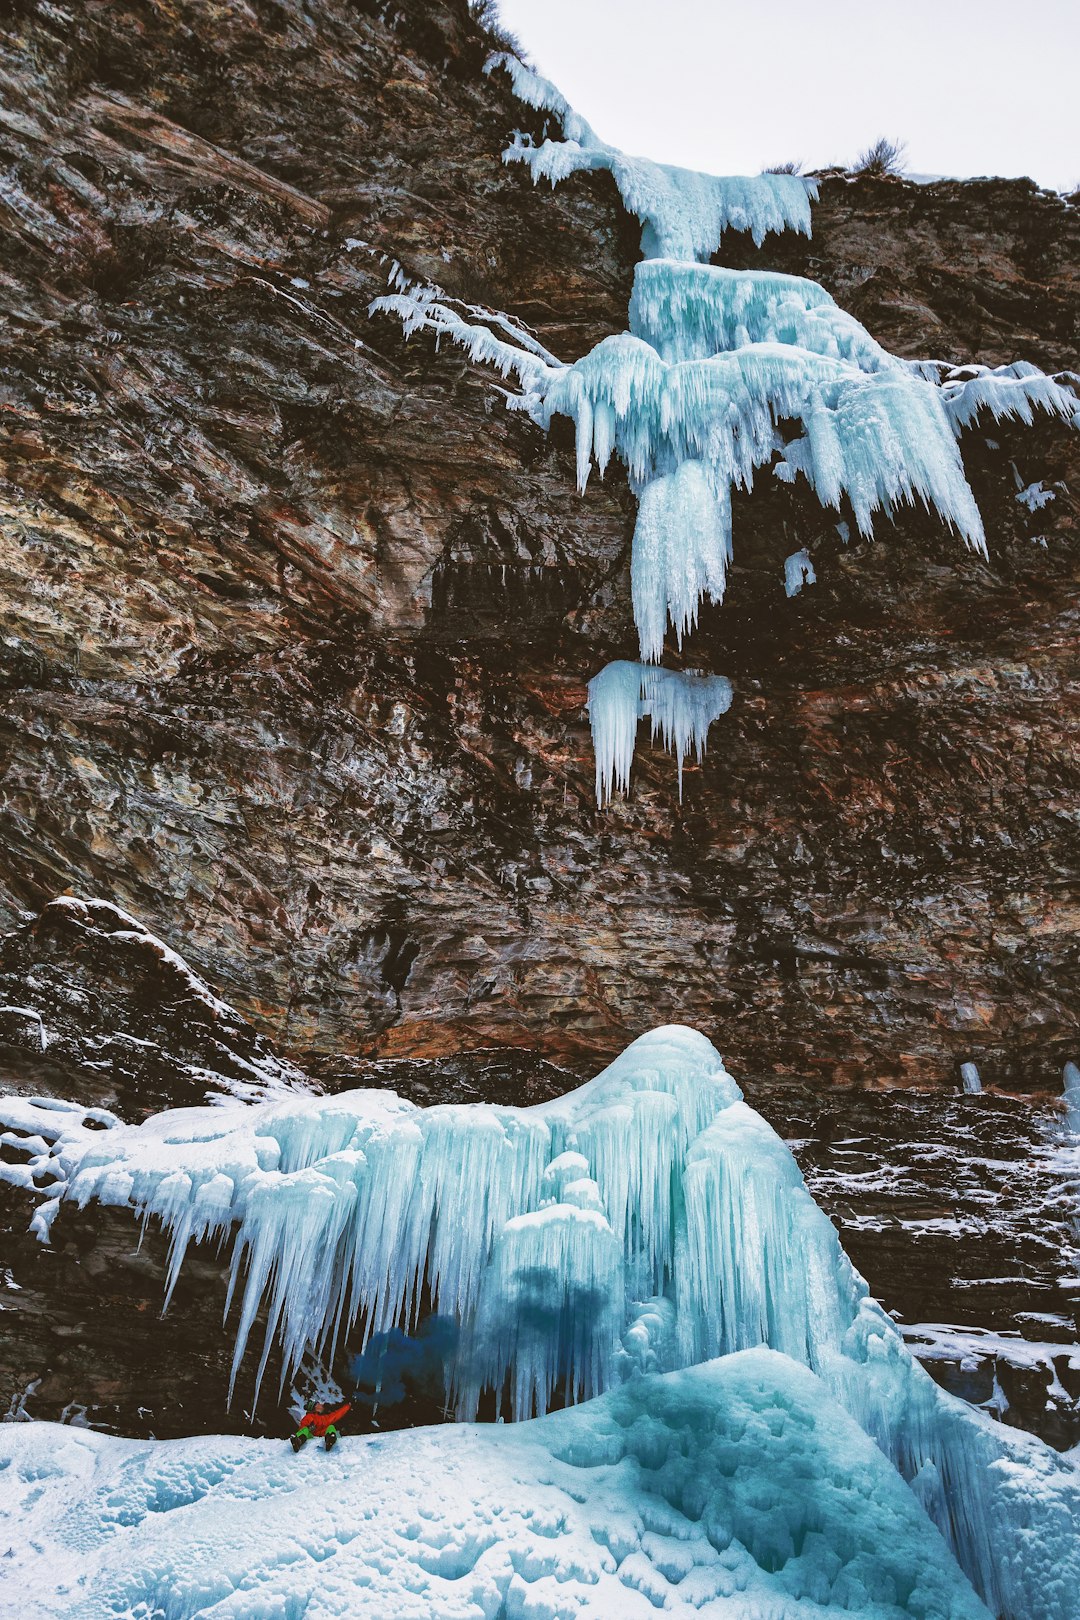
{"x": 647, "y": 1221}
{"x": 681, "y": 705}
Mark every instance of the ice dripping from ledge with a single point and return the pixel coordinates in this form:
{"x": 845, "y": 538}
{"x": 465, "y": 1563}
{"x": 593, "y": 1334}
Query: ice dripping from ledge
{"x": 683, "y": 213}
{"x": 681, "y": 705}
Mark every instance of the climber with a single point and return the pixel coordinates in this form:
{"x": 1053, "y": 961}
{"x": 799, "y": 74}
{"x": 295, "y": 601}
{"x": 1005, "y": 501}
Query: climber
{"x": 322, "y": 1421}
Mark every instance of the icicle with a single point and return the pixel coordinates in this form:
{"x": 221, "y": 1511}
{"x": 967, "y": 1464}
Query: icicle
{"x": 681, "y": 704}
{"x": 969, "y": 1078}
{"x": 682, "y": 547}
{"x": 1070, "y": 1085}
{"x": 1017, "y": 390}
{"x": 798, "y": 572}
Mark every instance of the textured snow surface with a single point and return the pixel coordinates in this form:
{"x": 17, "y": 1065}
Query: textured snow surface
{"x": 733, "y": 1491}
{"x": 683, "y": 214}
{"x": 682, "y": 706}
{"x": 649, "y": 1220}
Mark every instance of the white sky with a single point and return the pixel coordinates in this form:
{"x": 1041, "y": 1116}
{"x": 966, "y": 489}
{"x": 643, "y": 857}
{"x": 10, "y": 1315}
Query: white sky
{"x": 729, "y": 86}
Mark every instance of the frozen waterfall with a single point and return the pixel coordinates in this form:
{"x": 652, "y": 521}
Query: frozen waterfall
{"x": 683, "y": 214}
{"x": 647, "y": 1221}
{"x": 694, "y": 397}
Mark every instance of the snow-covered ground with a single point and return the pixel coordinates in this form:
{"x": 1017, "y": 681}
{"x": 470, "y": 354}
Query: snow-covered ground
{"x": 737, "y": 1490}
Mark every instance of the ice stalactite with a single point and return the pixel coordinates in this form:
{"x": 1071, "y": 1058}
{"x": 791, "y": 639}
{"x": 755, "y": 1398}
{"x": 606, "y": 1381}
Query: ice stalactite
{"x": 681, "y": 553}
{"x": 648, "y": 1220}
{"x": 681, "y": 705}
{"x": 798, "y": 572}
{"x": 1016, "y": 391}
{"x": 880, "y": 438}
{"x": 970, "y": 1079}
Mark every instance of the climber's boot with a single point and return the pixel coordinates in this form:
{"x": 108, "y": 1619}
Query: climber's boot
{"x": 331, "y": 1438}
{"x": 300, "y": 1438}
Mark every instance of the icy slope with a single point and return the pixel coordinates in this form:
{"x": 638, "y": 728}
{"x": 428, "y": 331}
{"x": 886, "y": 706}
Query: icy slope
{"x": 647, "y": 1221}
{"x": 736, "y": 1491}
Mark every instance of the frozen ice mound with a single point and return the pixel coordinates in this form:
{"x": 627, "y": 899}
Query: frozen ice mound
{"x": 737, "y": 1490}
{"x": 649, "y": 1220}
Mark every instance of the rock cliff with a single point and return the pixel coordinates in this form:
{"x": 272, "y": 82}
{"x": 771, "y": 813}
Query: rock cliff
{"x": 299, "y": 618}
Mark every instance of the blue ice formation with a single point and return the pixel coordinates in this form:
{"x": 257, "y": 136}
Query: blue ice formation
{"x": 682, "y": 705}
{"x": 646, "y": 1222}
{"x": 701, "y": 392}
{"x": 733, "y": 1491}
{"x": 683, "y": 214}
{"x": 798, "y": 572}
{"x": 693, "y": 311}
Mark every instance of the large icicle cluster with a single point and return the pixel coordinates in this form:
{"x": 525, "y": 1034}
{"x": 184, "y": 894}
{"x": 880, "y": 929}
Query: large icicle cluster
{"x": 682, "y": 705}
{"x": 693, "y": 398}
{"x": 648, "y": 1220}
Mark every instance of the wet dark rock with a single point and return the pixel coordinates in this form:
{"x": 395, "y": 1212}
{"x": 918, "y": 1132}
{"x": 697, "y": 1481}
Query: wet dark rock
{"x": 303, "y": 617}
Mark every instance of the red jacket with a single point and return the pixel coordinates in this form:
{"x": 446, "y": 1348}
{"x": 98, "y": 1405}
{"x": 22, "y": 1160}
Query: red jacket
{"x": 320, "y": 1419}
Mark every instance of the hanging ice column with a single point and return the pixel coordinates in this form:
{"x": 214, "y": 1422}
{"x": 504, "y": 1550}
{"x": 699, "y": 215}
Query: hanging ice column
{"x": 681, "y": 705}
{"x": 647, "y": 1221}
{"x": 692, "y": 398}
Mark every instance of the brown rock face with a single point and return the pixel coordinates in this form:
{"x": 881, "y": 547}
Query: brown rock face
{"x": 300, "y": 618}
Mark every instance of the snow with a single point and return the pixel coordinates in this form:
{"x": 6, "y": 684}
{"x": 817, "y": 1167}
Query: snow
{"x": 104, "y": 912}
{"x": 683, "y": 214}
{"x": 942, "y": 1341}
{"x": 53, "y": 1136}
{"x": 32, "y": 1016}
{"x": 679, "y": 1229}
{"x": 681, "y": 705}
{"x": 736, "y": 1490}
{"x": 798, "y": 572}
